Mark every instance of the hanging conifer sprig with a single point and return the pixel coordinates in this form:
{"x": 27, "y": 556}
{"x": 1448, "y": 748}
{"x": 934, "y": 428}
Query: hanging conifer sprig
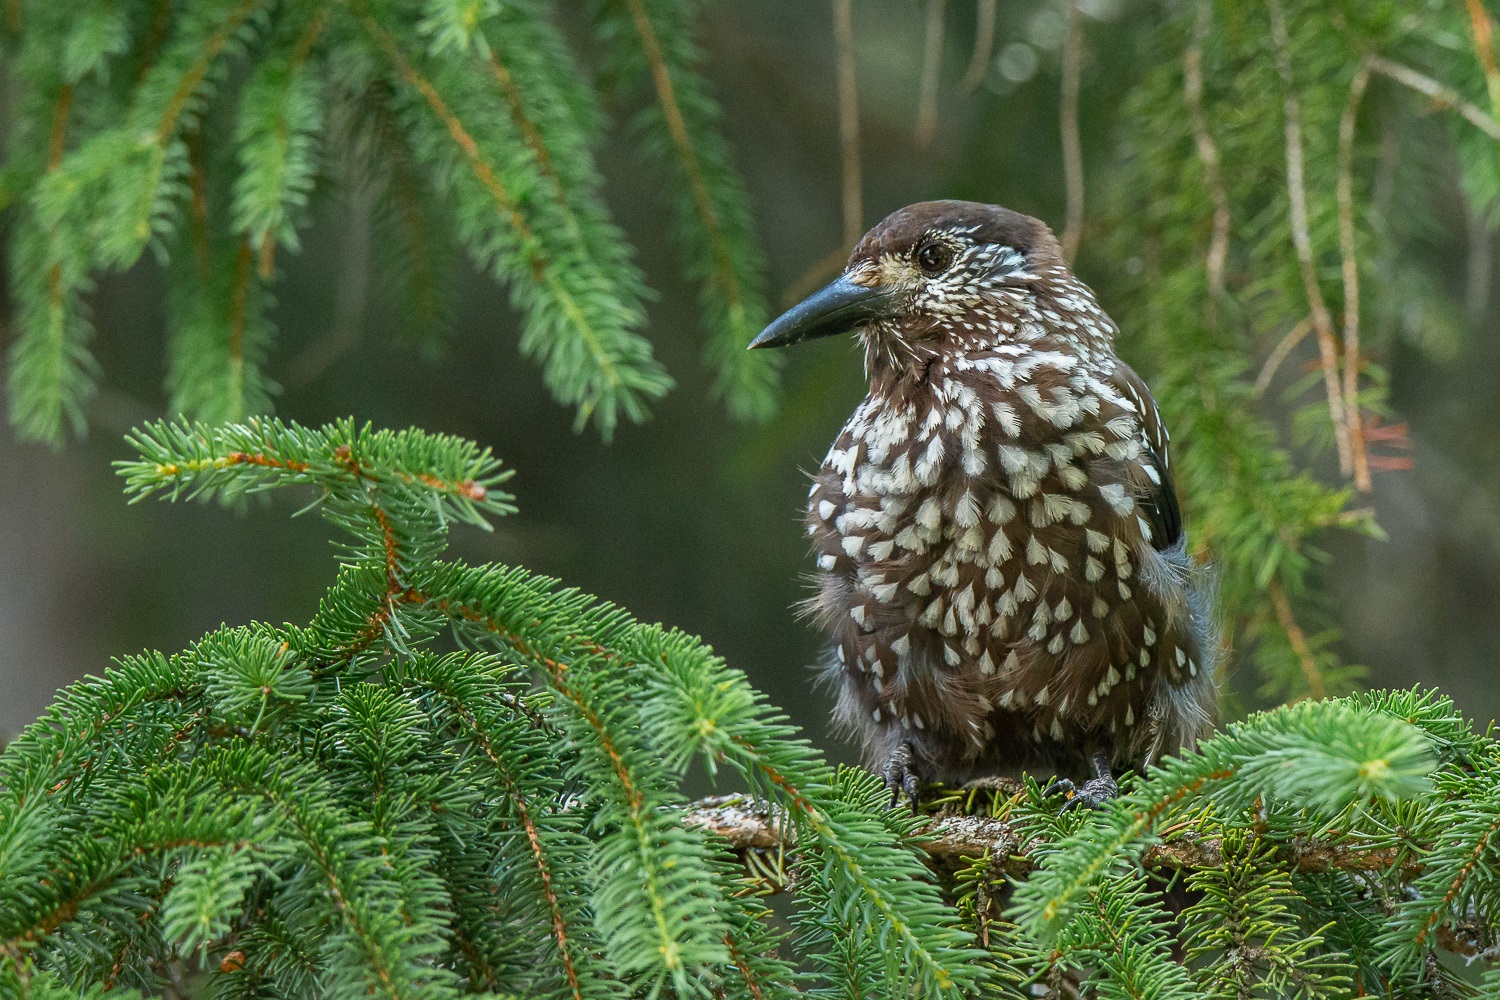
{"x": 340, "y": 805}
{"x": 198, "y": 134}
{"x": 1256, "y": 144}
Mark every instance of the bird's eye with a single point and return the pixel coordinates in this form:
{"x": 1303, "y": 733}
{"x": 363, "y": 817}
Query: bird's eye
{"x": 934, "y": 258}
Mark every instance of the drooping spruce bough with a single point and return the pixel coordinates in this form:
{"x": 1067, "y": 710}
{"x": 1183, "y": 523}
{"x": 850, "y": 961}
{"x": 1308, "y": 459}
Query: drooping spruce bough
{"x": 344, "y": 809}
{"x": 206, "y": 132}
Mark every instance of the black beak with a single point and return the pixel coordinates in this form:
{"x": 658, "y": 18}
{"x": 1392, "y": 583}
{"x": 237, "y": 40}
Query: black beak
{"x": 836, "y": 308}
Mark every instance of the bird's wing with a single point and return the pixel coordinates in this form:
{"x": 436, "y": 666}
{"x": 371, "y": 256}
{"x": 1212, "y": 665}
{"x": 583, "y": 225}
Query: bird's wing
{"x": 1159, "y": 499}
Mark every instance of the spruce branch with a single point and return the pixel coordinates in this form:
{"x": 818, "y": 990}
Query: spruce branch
{"x": 681, "y": 128}
{"x": 592, "y": 360}
{"x": 336, "y": 807}
{"x": 188, "y": 128}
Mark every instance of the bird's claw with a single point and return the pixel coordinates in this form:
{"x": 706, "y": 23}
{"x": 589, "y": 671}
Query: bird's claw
{"x": 1093, "y": 795}
{"x": 900, "y": 777}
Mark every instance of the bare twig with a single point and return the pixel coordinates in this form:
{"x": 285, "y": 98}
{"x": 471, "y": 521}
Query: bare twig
{"x": 984, "y": 47}
{"x": 1072, "y": 149}
{"x": 1441, "y": 95}
{"x": 1302, "y": 237}
{"x": 1278, "y": 354}
{"x": 1316, "y": 688}
{"x": 932, "y": 73}
{"x": 843, "y": 35}
{"x": 1208, "y": 152}
{"x": 1347, "y": 251}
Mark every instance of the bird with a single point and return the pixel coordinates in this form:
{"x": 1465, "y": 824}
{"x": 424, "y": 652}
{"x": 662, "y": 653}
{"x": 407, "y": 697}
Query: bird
{"x": 1002, "y": 571}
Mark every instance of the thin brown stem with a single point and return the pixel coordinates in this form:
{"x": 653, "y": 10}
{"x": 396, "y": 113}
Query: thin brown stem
{"x": 853, "y": 196}
{"x": 57, "y": 140}
{"x": 1302, "y": 238}
{"x": 1072, "y": 146}
{"x": 1317, "y": 689}
{"x": 1279, "y": 353}
{"x": 1442, "y": 96}
{"x": 1347, "y": 251}
{"x": 1208, "y": 153}
{"x": 1484, "y": 48}
{"x": 932, "y": 72}
{"x": 984, "y": 47}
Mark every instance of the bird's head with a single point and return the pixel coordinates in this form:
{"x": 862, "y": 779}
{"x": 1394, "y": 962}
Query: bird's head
{"x": 934, "y": 278}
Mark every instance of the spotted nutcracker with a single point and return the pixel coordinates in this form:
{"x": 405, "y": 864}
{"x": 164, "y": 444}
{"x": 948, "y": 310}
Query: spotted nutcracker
{"x": 1002, "y": 567}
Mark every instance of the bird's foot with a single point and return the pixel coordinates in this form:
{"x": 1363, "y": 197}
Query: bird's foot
{"x": 1093, "y": 795}
{"x": 901, "y": 776}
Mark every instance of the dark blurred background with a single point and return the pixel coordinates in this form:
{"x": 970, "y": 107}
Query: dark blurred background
{"x": 691, "y": 519}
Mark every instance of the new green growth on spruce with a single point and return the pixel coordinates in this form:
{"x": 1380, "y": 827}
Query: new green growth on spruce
{"x": 343, "y": 809}
{"x": 205, "y": 132}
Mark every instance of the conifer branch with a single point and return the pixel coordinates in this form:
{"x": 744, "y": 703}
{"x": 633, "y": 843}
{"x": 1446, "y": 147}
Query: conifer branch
{"x": 518, "y": 191}
{"x": 717, "y": 231}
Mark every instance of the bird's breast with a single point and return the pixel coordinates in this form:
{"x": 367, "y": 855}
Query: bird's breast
{"x": 981, "y": 552}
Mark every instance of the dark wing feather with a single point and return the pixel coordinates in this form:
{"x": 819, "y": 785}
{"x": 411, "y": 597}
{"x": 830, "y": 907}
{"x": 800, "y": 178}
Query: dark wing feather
{"x": 1160, "y": 500}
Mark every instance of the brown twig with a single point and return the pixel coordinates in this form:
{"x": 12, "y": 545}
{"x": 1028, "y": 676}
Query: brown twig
{"x": 1208, "y": 152}
{"x": 1072, "y": 147}
{"x": 1316, "y": 688}
{"x": 1347, "y": 251}
{"x": 1484, "y": 48}
{"x": 932, "y": 72}
{"x": 984, "y": 47}
{"x": 1442, "y": 96}
{"x": 843, "y": 36}
{"x": 1302, "y": 238}
{"x": 1278, "y": 354}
